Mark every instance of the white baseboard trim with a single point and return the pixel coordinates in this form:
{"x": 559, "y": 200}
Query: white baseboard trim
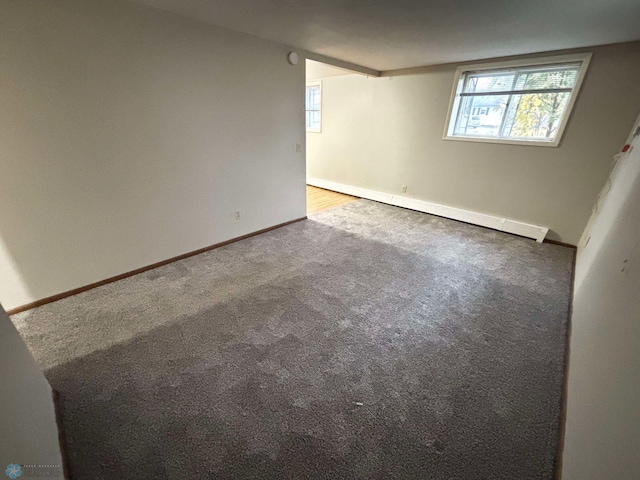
{"x": 484, "y": 220}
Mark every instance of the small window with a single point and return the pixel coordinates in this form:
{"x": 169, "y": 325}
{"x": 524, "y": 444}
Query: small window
{"x": 521, "y": 102}
{"x": 314, "y": 107}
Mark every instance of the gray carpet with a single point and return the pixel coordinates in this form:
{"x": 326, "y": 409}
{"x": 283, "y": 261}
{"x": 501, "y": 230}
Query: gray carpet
{"x": 368, "y": 342}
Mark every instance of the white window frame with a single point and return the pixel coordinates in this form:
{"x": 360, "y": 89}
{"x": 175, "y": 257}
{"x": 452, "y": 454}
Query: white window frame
{"x": 313, "y": 84}
{"x": 584, "y": 58}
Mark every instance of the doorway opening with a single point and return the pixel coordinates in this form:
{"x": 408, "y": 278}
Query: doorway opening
{"x": 324, "y": 113}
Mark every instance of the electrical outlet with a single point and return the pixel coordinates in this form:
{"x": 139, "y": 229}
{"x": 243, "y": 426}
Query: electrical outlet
{"x": 298, "y": 147}
{"x": 237, "y": 215}
{"x": 404, "y": 189}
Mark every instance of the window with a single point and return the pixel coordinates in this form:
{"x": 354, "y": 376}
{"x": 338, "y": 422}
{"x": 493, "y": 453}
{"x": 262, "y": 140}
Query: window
{"x": 314, "y": 107}
{"x": 521, "y": 102}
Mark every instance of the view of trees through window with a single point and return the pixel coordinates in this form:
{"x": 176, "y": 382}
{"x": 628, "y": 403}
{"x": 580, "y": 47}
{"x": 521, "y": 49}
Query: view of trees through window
{"x": 526, "y": 103}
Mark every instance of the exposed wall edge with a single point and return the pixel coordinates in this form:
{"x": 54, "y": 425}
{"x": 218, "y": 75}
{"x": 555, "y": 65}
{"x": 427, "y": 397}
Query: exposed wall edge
{"x": 341, "y": 64}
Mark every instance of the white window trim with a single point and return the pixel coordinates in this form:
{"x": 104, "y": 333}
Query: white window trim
{"x": 585, "y": 58}
{"x": 317, "y": 83}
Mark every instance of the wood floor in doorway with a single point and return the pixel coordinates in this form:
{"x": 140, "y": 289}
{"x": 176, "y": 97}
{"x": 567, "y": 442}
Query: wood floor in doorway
{"x": 319, "y": 199}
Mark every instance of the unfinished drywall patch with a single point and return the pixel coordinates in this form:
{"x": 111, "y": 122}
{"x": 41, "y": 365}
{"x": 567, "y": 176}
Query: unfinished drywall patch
{"x": 603, "y": 412}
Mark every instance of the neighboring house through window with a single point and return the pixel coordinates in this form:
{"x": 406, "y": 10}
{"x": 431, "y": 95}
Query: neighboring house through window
{"x": 314, "y": 107}
{"x": 523, "y": 102}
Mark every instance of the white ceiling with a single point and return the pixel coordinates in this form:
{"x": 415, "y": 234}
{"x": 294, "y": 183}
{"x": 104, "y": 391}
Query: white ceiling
{"x": 392, "y": 34}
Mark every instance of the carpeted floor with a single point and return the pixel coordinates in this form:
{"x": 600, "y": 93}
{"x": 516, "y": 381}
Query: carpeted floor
{"x": 368, "y": 342}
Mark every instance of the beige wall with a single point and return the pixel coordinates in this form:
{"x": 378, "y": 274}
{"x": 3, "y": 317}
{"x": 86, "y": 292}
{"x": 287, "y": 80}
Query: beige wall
{"x": 129, "y": 135}
{"x": 603, "y": 412}
{"x": 382, "y": 133}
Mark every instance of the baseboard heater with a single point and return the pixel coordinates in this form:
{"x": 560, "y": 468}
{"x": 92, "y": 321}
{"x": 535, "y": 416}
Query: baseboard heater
{"x": 523, "y": 229}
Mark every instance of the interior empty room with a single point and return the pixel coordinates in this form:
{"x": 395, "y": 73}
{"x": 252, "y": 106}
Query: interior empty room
{"x": 335, "y": 240}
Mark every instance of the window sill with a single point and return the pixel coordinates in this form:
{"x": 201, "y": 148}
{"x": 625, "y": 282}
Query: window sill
{"x": 506, "y": 141}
